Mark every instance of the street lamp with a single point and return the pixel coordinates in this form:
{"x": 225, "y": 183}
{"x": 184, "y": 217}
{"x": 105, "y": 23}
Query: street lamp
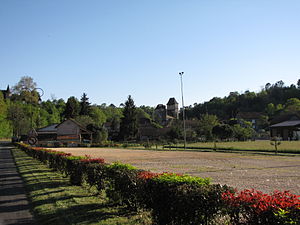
{"x": 183, "y": 110}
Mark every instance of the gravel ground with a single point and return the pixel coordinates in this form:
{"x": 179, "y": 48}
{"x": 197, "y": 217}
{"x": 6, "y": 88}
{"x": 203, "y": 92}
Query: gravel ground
{"x": 262, "y": 172}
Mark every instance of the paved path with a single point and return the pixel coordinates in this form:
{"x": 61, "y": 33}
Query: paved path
{"x": 14, "y": 207}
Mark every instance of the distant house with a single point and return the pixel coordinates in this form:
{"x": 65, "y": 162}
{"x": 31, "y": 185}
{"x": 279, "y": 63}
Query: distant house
{"x": 255, "y": 118}
{"x": 66, "y": 132}
{"x": 287, "y": 129}
{"x": 48, "y": 133}
{"x": 70, "y": 130}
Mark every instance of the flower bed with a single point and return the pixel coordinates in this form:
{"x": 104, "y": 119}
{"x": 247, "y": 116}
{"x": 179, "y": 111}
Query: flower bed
{"x": 173, "y": 198}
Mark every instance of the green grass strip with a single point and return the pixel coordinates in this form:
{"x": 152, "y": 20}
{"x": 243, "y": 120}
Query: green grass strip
{"x": 55, "y": 201}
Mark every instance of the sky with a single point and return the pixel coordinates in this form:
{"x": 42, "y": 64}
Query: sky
{"x": 112, "y": 49}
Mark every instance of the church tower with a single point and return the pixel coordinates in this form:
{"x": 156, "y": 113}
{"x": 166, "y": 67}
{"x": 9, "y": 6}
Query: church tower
{"x": 172, "y": 108}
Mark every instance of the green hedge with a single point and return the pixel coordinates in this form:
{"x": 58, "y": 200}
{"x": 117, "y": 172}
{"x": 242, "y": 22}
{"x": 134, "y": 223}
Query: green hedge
{"x": 171, "y": 198}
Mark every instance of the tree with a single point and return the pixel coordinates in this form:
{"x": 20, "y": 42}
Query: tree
{"x": 17, "y": 117}
{"x": 97, "y": 115}
{"x": 270, "y": 109}
{"x": 292, "y": 105}
{"x": 25, "y": 83}
{"x": 129, "y": 122}
{"x": 176, "y": 131}
{"x": 243, "y": 131}
{"x": 53, "y": 115}
{"x": 84, "y": 105}
{"x": 206, "y": 124}
{"x": 84, "y": 120}
{"x": 100, "y": 134}
{"x": 5, "y": 128}
{"x": 72, "y": 108}
{"x": 222, "y": 131}
{"x": 25, "y": 90}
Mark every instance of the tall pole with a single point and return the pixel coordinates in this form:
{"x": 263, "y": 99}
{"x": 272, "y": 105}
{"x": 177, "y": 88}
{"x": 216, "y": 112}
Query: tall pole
{"x": 183, "y": 109}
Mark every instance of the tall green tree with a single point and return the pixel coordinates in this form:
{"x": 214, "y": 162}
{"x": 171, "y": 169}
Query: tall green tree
{"x": 206, "y": 124}
{"x": 5, "y": 128}
{"x": 129, "y": 122}
{"x": 72, "y": 108}
{"x": 292, "y": 105}
{"x": 18, "y": 119}
{"x": 97, "y": 115}
{"x": 26, "y": 90}
{"x": 222, "y": 131}
{"x": 84, "y": 105}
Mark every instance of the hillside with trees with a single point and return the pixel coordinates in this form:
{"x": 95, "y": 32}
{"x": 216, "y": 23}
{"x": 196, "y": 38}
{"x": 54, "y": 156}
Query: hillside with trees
{"x": 272, "y": 100}
{"x": 219, "y": 117}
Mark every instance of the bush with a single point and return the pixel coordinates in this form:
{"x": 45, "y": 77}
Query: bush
{"x": 181, "y": 199}
{"x": 255, "y": 207}
{"x": 123, "y": 181}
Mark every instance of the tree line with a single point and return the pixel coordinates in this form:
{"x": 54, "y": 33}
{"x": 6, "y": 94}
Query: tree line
{"x": 216, "y": 118}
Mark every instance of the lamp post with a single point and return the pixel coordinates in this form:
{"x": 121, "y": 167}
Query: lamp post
{"x": 183, "y": 109}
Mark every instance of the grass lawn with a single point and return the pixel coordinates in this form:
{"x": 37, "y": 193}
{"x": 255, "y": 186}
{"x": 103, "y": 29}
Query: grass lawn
{"x": 55, "y": 201}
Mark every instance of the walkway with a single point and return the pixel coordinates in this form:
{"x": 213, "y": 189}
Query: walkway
{"x": 14, "y": 207}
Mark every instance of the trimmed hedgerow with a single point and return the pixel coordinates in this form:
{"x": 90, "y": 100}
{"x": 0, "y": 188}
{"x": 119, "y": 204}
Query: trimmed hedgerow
{"x": 181, "y": 199}
{"x": 173, "y": 198}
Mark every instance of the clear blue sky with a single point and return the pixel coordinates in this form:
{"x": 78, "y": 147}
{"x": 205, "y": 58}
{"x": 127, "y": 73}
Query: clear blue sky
{"x": 110, "y": 49}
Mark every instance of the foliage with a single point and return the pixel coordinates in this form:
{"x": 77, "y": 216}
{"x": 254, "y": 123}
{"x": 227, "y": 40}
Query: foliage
{"x": 97, "y": 115}
{"x": 129, "y": 122}
{"x": 292, "y": 105}
{"x": 25, "y": 90}
{"x": 182, "y": 203}
{"x": 275, "y": 141}
{"x": 255, "y": 207}
{"x": 272, "y": 99}
{"x": 19, "y": 120}
{"x": 84, "y": 105}
{"x": 206, "y": 124}
{"x": 72, "y": 108}
{"x": 222, "y": 131}
{"x": 5, "y": 127}
{"x": 243, "y": 131}
{"x": 176, "y": 131}
{"x": 178, "y": 178}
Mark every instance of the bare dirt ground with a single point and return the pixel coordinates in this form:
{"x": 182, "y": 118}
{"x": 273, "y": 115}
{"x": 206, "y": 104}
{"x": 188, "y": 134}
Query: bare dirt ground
{"x": 262, "y": 172}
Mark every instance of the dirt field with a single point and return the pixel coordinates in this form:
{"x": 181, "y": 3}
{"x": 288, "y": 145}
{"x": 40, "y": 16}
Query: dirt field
{"x": 262, "y": 172}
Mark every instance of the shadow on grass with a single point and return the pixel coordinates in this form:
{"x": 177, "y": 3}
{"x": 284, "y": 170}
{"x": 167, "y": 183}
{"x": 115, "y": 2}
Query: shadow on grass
{"x": 55, "y": 201}
{"x": 84, "y": 214}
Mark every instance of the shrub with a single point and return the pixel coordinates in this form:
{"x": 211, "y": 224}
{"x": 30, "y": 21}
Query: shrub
{"x": 123, "y": 181}
{"x": 182, "y": 203}
{"x": 180, "y": 199}
{"x": 255, "y": 207}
